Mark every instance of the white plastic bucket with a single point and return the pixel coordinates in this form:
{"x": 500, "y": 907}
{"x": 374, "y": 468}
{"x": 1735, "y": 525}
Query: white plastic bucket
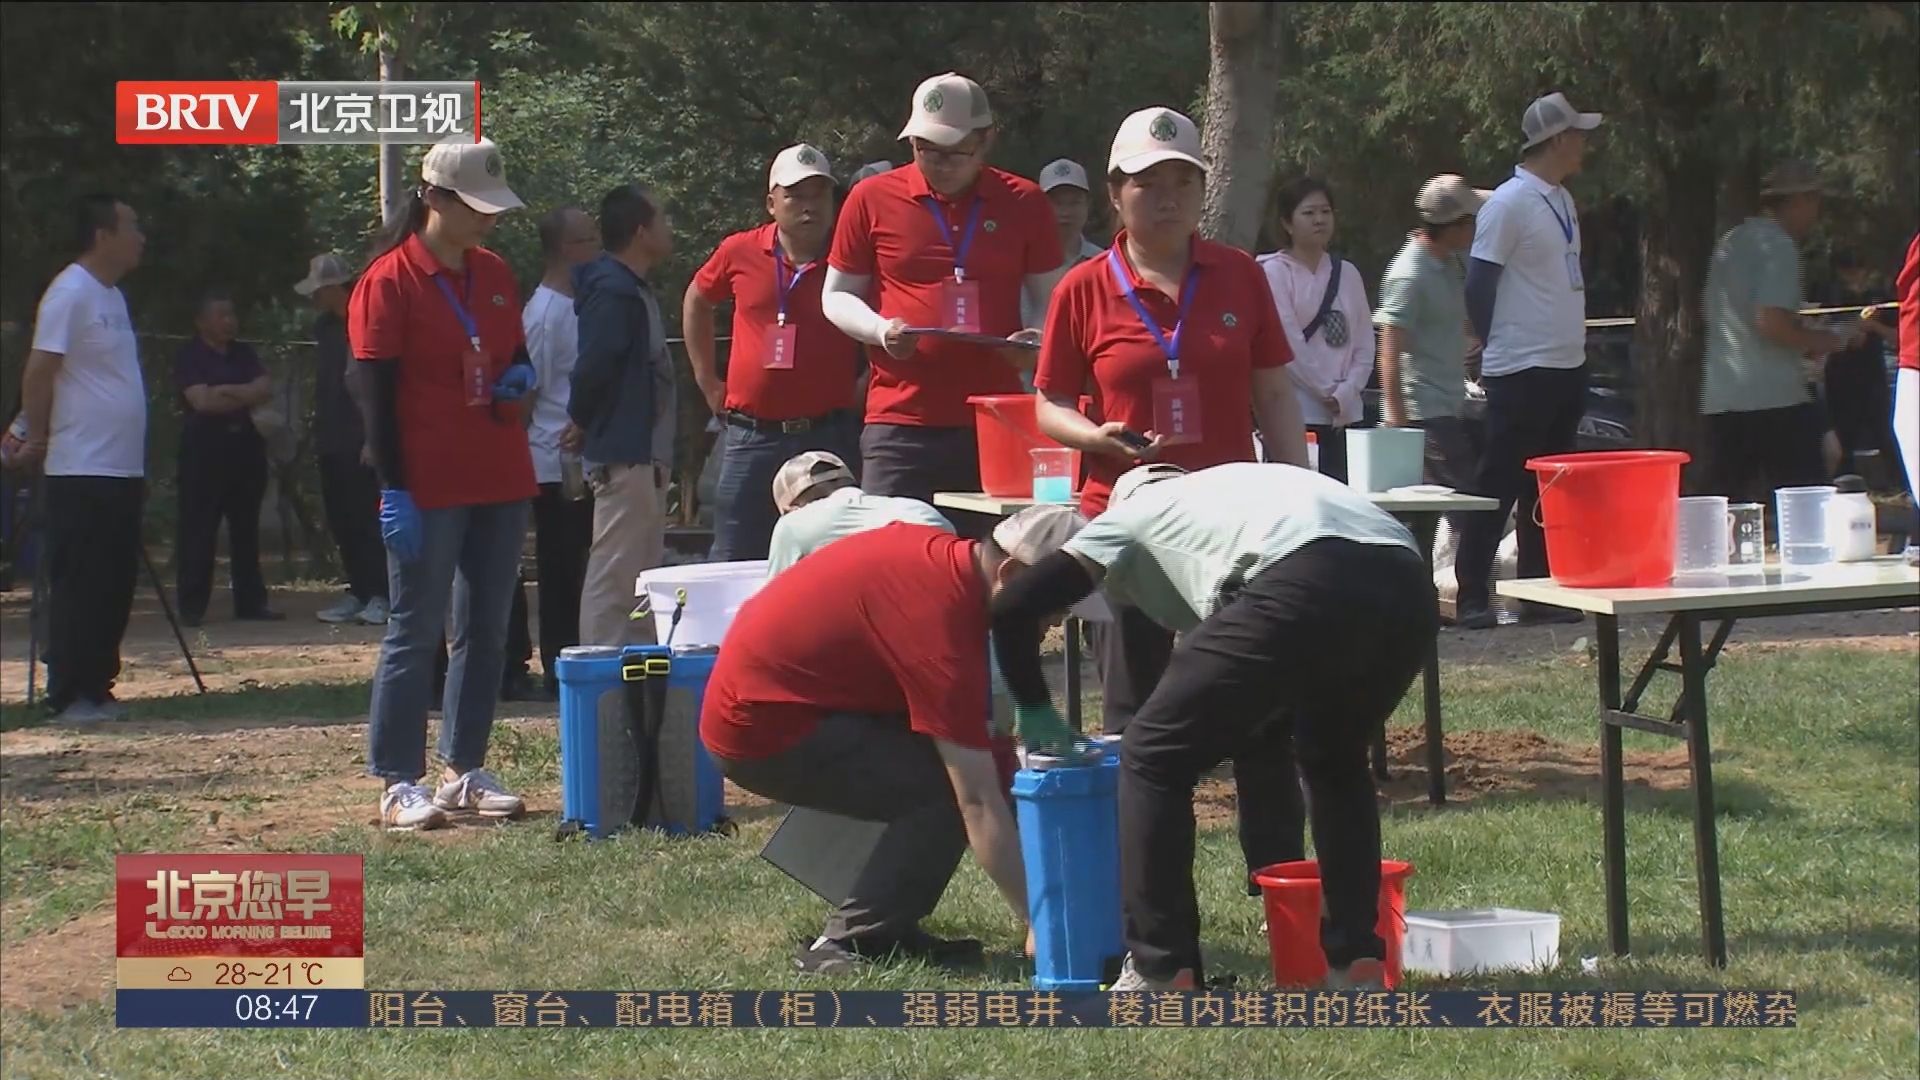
{"x": 1381, "y": 459}
{"x": 1450, "y": 943}
{"x": 714, "y": 591}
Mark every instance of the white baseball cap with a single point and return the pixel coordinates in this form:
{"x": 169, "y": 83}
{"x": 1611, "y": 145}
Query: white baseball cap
{"x": 324, "y": 270}
{"x": 1063, "y": 173}
{"x": 946, "y": 109}
{"x": 796, "y": 163}
{"x": 1140, "y": 476}
{"x": 805, "y": 471}
{"x": 1037, "y": 532}
{"x": 473, "y": 171}
{"x": 1552, "y": 115}
{"x": 1152, "y": 136}
{"x": 1447, "y": 198}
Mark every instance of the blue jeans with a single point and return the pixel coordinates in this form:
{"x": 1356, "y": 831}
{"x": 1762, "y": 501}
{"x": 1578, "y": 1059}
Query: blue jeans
{"x": 474, "y": 553}
{"x": 743, "y": 510}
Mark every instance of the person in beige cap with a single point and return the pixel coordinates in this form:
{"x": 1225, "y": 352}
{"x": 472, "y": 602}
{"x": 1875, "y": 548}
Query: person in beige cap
{"x": 1763, "y": 419}
{"x": 791, "y": 375}
{"x": 1305, "y": 613}
{"x": 1526, "y": 297}
{"x": 441, "y": 374}
{"x": 948, "y": 243}
{"x": 1422, "y": 323}
{"x": 857, "y": 683}
{"x": 1065, "y": 185}
{"x": 820, "y": 502}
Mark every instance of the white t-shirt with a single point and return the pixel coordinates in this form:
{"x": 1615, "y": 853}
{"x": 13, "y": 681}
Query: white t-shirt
{"x": 553, "y": 343}
{"x": 1540, "y": 310}
{"x": 99, "y": 424}
{"x": 1177, "y": 548}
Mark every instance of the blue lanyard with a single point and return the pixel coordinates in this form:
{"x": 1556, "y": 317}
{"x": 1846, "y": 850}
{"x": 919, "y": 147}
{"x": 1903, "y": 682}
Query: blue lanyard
{"x": 782, "y": 283}
{"x": 1566, "y": 222}
{"x": 946, "y": 233}
{"x": 1187, "y": 291}
{"x": 459, "y": 309}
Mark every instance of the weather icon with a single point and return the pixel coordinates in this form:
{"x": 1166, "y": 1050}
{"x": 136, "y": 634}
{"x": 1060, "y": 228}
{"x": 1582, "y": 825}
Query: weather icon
{"x": 179, "y": 974}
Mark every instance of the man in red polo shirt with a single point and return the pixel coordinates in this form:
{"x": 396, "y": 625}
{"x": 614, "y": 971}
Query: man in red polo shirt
{"x": 856, "y": 683}
{"x": 791, "y": 374}
{"x": 950, "y": 243}
{"x": 1906, "y": 388}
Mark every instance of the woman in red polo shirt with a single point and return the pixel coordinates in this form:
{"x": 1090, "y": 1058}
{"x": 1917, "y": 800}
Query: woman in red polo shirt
{"x": 435, "y": 326}
{"x": 1906, "y": 388}
{"x": 1178, "y": 340}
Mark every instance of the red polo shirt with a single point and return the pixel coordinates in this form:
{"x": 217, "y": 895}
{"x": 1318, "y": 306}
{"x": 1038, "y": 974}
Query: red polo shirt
{"x": 452, "y": 453}
{"x": 891, "y": 622}
{"x": 1232, "y": 329}
{"x": 887, "y": 231}
{"x": 825, "y": 360}
{"x": 1907, "y": 289}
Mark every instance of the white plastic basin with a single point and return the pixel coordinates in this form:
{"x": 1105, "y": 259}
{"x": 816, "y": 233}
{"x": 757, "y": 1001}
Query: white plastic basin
{"x": 1484, "y": 939}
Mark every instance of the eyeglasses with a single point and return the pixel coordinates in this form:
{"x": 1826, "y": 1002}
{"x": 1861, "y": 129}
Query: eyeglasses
{"x": 945, "y": 156}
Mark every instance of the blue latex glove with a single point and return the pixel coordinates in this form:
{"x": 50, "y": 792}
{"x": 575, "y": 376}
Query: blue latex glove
{"x": 1042, "y": 729}
{"x": 515, "y": 383}
{"x": 400, "y": 524}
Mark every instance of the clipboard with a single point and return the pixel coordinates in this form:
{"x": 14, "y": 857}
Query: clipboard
{"x": 972, "y": 339}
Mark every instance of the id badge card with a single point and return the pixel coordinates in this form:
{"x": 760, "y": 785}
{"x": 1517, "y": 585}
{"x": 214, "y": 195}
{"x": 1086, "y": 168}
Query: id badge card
{"x": 1573, "y": 272}
{"x": 780, "y": 346}
{"x": 476, "y": 376}
{"x": 1176, "y": 410}
{"x": 960, "y": 308}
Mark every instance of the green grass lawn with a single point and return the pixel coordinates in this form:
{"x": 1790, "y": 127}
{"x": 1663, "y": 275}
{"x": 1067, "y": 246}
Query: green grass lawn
{"x": 1818, "y": 769}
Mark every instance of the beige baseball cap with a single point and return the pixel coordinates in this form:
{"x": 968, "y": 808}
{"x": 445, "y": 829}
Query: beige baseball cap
{"x": 1551, "y": 115}
{"x": 1152, "y": 136}
{"x": 1791, "y": 178}
{"x": 805, "y": 471}
{"x": 1447, "y": 198}
{"x": 324, "y": 270}
{"x": 796, "y": 163}
{"x": 1140, "y": 476}
{"x": 1063, "y": 173}
{"x": 946, "y": 109}
{"x": 473, "y": 171}
{"x": 1038, "y": 531}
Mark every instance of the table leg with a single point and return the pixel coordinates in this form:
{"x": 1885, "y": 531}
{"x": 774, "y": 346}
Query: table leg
{"x": 1070, "y": 631}
{"x": 1613, "y": 799}
{"x": 1706, "y": 848}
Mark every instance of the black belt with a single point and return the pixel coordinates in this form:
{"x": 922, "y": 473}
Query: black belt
{"x": 797, "y": 426}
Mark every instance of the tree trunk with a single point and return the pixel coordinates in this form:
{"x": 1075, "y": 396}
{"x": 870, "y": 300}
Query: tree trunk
{"x": 1240, "y": 130}
{"x": 1676, "y": 243}
{"x": 393, "y": 155}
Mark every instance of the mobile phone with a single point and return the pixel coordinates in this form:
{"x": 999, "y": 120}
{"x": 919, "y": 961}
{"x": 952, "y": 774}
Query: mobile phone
{"x": 1134, "y": 439}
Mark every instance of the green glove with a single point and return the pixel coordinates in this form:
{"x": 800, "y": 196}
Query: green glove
{"x": 1042, "y": 729}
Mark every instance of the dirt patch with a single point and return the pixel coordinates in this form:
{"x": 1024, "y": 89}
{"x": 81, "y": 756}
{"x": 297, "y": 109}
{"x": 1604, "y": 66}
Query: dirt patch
{"x": 1482, "y": 763}
{"x": 71, "y": 966}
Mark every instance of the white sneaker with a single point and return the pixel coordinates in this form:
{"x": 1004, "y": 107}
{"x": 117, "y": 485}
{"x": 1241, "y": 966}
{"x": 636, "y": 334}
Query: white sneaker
{"x": 477, "y": 790}
{"x": 410, "y": 806}
{"x": 1131, "y": 981}
{"x": 346, "y": 610}
{"x": 375, "y": 613}
{"x": 82, "y": 713}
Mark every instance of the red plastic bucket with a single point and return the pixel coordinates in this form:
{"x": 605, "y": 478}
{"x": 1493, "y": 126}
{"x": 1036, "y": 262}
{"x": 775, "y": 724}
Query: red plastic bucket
{"x": 1610, "y": 517}
{"x": 1292, "y": 894}
{"x": 1007, "y": 428}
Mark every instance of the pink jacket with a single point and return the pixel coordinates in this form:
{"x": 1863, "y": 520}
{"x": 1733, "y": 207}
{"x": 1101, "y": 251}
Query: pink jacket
{"x": 1321, "y": 369}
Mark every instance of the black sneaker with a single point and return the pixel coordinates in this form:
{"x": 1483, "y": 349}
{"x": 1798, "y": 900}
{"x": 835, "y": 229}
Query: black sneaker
{"x": 825, "y": 956}
{"x": 263, "y": 615}
{"x": 1476, "y": 619}
{"x": 524, "y": 687}
{"x": 1547, "y": 615}
{"x": 920, "y": 945}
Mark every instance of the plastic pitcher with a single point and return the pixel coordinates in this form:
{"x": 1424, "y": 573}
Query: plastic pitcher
{"x": 1803, "y": 525}
{"x": 1052, "y": 474}
{"x": 1703, "y": 537}
{"x": 1069, "y": 818}
{"x": 1381, "y": 459}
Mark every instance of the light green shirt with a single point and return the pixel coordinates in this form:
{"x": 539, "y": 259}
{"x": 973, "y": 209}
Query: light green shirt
{"x": 839, "y": 515}
{"x": 1033, "y": 315}
{"x": 1424, "y": 297}
{"x": 1177, "y": 549}
{"x": 1756, "y": 265}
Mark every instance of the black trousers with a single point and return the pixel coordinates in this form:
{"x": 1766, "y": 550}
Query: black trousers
{"x": 222, "y": 477}
{"x": 1756, "y": 452}
{"x": 1133, "y": 653}
{"x": 563, "y": 535}
{"x": 916, "y": 462}
{"x": 351, "y": 494}
{"x": 93, "y": 552}
{"x": 1333, "y": 450}
{"x": 1530, "y": 414}
{"x": 1307, "y": 662}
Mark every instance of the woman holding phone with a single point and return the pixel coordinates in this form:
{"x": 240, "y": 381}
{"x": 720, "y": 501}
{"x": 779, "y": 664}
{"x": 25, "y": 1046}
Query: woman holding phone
{"x": 1177, "y": 340}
